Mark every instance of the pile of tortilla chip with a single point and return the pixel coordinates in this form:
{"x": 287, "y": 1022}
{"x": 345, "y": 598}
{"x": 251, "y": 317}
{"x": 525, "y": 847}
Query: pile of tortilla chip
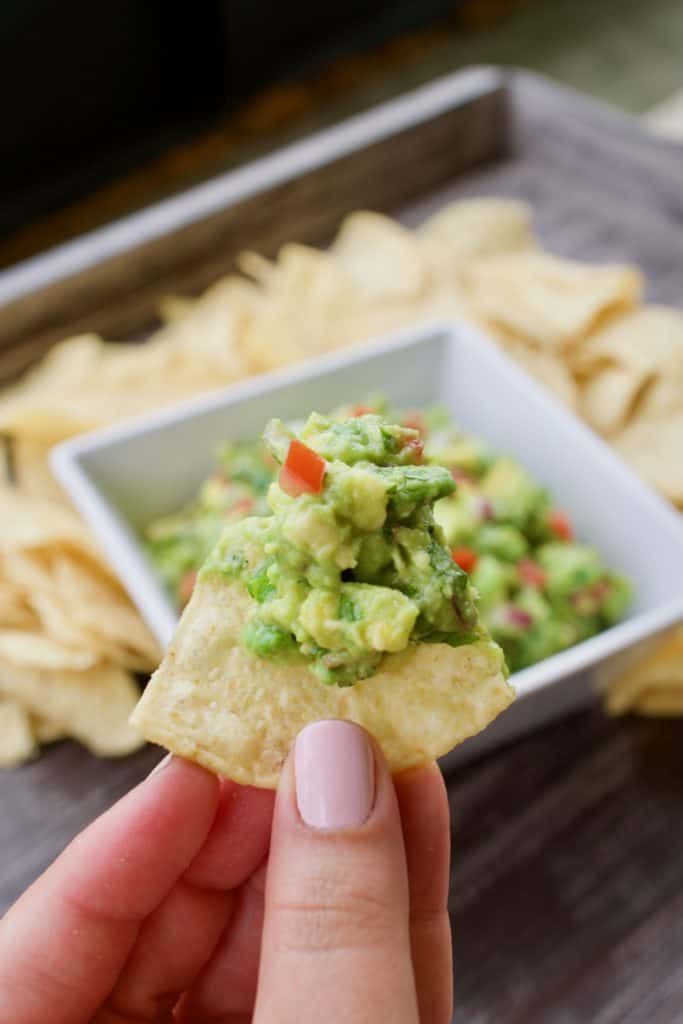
{"x": 653, "y": 682}
{"x": 70, "y": 641}
{"x": 580, "y": 329}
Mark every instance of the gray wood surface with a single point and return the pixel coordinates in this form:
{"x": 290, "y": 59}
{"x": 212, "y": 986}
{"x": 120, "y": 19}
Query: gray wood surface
{"x": 567, "y": 877}
{"x": 568, "y": 845}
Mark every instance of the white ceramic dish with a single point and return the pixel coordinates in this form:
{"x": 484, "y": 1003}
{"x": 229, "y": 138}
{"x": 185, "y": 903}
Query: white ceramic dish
{"x": 123, "y": 477}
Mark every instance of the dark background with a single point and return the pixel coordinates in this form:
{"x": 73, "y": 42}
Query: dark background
{"x": 93, "y": 89}
{"x": 112, "y": 105}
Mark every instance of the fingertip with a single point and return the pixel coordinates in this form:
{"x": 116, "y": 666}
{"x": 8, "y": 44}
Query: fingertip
{"x": 176, "y": 780}
{"x": 423, "y": 799}
{"x": 181, "y": 769}
{"x": 160, "y": 765}
{"x": 421, "y": 778}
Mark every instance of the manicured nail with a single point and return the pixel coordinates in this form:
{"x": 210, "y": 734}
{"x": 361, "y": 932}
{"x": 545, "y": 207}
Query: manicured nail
{"x": 165, "y": 761}
{"x": 335, "y": 775}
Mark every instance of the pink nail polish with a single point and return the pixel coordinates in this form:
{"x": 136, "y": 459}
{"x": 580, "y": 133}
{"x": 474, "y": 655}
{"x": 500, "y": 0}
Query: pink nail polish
{"x": 335, "y": 775}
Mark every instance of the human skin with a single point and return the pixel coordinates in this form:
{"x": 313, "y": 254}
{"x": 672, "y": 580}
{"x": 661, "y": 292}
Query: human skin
{"x": 198, "y": 900}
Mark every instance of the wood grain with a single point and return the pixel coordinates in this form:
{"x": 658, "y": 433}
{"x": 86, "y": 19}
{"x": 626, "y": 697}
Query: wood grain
{"x": 567, "y": 875}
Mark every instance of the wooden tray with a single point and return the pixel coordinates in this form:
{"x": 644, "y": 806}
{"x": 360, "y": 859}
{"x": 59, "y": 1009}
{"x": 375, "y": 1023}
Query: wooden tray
{"x": 601, "y": 189}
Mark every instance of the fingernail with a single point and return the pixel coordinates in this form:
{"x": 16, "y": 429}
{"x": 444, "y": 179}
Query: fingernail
{"x": 335, "y": 775}
{"x": 165, "y": 761}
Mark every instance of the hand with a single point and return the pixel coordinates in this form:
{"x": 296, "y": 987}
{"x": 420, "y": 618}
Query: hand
{"x": 169, "y": 908}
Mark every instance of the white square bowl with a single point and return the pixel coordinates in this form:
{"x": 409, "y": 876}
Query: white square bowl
{"x": 123, "y": 477}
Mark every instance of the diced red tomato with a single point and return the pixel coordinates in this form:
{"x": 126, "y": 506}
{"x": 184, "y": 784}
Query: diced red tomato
{"x": 560, "y": 524}
{"x": 531, "y": 573}
{"x": 466, "y": 558}
{"x": 417, "y": 446}
{"x": 360, "y": 410}
{"x": 303, "y": 470}
{"x": 187, "y": 584}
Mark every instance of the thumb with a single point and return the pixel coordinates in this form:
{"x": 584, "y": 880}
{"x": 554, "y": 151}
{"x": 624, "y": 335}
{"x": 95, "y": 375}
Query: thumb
{"x": 336, "y": 943}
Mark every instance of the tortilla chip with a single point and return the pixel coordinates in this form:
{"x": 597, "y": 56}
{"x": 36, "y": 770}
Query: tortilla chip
{"x": 481, "y": 226}
{"x": 107, "y": 618}
{"x": 175, "y": 307}
{"x": 381, "y": 258}
{"x": 214, "y": 703}
{"x": 33, "y": 475}
{"x": 652, "y": 684}
{"x": 31, "y": 575}
{"x": 28, "y": 573}
{"x": 662, "y": 396}
{"x": 647, "y": 340}
{"x": 469, "y": 228}
{"x": 43, "y": 420}
{"x": 44, "y": 407}
{"x": 16, "y": 737}
{"x": 608, "y": 399}
{"x": 35, "y": 523}
{"x": 306, "y": 310}
{"x": 70, "y": 364}
{"x": 92, "y": 706}
{"x": 546, "y": 300}
{"x": 46, "y": 731}
{"x": 256, "y": 266}
{"x": 546, "y": 367}
{"x": 35, "y": 528}
{"x": 14, "y": 611}
{"x": 653, "y": 449}
{"x": 197, "y": 351}
{"x": 31, "y": 649}
{"x": 633, "y": 368}
{"x": 660, "y": 702}
{"x": 61, "y": 587}
{"x": 86, "y": 383}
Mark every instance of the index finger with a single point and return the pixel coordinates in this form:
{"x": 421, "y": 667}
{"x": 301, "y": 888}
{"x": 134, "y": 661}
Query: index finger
{"x": 423, "y": 803}
{"x": 65, "y": 941}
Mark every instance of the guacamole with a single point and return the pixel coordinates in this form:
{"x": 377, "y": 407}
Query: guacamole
{"x": 539, "y": 590}
{"x": 349, "y": 564}
{"x": 365, "y": 566}
{"x": 178, "y": 544}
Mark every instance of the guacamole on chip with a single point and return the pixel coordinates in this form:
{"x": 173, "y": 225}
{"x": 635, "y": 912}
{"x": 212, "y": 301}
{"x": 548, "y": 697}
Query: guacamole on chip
{"x": 342, "y": 601}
